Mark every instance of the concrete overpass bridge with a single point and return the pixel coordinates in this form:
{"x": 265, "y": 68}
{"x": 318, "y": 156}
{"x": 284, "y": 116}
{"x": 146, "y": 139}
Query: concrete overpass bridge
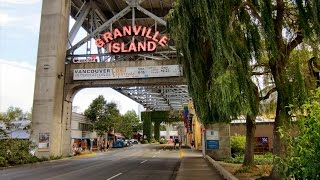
{"x": 125, "y": 47}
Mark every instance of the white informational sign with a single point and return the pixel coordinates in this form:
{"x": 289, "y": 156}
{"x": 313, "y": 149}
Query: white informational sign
{"x": 212, "y": 134}
{"x": 44, "y": 142}
{"x": 127, "y": 72}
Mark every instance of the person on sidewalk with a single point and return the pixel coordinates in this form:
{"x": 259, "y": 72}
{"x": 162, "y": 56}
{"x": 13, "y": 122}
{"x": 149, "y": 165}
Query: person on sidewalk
{"x": 192, "y": 144}
{"x": 176, "y": 141}
{"x": 103, "y": 148}
{"x": 108, "y": 145}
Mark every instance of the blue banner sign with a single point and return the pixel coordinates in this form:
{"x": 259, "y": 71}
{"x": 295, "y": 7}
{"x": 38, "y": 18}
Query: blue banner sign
{"x": 212, "y": 144}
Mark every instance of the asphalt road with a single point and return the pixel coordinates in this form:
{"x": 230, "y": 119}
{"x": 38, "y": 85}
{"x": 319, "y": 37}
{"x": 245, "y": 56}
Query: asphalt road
{"x": 134, "y": 163}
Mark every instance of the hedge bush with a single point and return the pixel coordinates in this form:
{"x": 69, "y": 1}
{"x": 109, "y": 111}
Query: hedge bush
{"x": 153, "y": 140}
{"x": 163, "y": 141}
{"x": 144, "y": 142}
{"x": 258, "y": 159}
{"x": 238, "y": 144}
{"x": 15, "y": 151}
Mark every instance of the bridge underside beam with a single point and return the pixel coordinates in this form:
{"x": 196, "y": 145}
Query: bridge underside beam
{"x": 157, "y": 93}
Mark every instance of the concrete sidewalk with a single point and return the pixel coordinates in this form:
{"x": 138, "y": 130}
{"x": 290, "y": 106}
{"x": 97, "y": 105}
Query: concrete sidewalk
{"x": 194, "y": 166}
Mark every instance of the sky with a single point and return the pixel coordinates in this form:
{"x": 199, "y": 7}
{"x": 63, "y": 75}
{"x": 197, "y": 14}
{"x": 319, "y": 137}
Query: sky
{"x": 19, "y": 35}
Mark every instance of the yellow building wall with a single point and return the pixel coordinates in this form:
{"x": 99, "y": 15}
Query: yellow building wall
{"x": 197, "y": 128}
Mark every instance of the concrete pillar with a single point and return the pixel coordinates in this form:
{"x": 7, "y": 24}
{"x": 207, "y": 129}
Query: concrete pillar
{"x": 49, "y": 107}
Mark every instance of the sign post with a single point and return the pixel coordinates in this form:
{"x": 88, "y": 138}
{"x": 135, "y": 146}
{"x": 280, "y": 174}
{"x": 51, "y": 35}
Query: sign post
{"x": 212, "y": 137}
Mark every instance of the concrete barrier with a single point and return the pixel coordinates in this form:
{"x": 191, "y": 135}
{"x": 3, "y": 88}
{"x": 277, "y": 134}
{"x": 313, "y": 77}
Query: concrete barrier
{"x": 226, "y": 174}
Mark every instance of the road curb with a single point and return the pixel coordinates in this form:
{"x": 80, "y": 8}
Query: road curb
{"x": 226, "y": 174}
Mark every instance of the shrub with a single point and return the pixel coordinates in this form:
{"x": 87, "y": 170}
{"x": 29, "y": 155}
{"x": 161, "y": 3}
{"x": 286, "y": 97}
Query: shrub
{"x": 15, "y": 151}
{"x": 144, "y": 142}
{"x": 238, "y": 143}
{"x": 163, "y": 141}
{"x": 258, "y": 159}
{"x": 152, "y": 140}
{"x": 302, "y": 161}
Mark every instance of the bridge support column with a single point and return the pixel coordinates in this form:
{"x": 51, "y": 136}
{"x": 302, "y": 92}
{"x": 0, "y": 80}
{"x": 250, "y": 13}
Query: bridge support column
{"x": 49, "y": 107}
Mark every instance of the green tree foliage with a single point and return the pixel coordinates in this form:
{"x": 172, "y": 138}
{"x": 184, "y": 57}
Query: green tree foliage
{"x": 103, "y": 115}
{"x": 14, "y": 112}
{"x": 302, "y": 161}
{"x": 107, "y": 118}
{"x": 28, "y": 114}
{"x": 128, "y": 123}
{"x": 163, "y": 127}
{"x": 11, "y": 114}
{"x": 4, "y": 117}
{"x": 113, "y": 115}
{"x": 97, "y": 114}
{"x": 96, "y": 110}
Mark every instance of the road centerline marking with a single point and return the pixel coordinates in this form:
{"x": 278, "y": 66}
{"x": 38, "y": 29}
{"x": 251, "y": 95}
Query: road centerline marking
{"x": 143, "y": 161}
{"x": 114, "y": 176}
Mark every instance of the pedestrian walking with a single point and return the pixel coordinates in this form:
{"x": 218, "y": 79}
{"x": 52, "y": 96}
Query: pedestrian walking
{"x": 103, "y": 148}
{"x": 176, "y": 141}
{"x": 108, "y": 145}
{"x": 192, "y": 144}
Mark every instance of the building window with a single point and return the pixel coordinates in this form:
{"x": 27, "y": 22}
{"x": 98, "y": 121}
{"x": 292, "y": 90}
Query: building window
{"x": 85, "y": 127}
{"x": 262, "y": 145}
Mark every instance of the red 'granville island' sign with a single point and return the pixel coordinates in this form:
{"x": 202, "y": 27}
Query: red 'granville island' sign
{"x": 148, "y": 45}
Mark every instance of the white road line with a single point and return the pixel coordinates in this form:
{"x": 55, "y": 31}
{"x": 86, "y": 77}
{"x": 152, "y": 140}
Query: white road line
{"x": 143, "y": 161}
{"x": 114, "y": 176}
{"x": 153, "y": 156}
{"x": 61, "y": 165}
{"x": 76, "y": 170}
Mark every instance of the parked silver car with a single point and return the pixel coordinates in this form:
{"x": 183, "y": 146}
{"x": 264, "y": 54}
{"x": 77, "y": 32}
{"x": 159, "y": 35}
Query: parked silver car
{"x": 127, "y": 143}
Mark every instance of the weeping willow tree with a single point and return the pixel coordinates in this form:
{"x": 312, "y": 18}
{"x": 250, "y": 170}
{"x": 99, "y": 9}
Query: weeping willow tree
{"x": 219, "y": 41}
{"x": 217, "y": 58}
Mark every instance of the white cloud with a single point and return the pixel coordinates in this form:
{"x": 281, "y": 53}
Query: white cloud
{"x": 29, "y": 22}
{"x": 19, "y": 2}
{"x": 20, "y": 65}
{"x": 7, "y": 20}
{"x": 16, "y": 85}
